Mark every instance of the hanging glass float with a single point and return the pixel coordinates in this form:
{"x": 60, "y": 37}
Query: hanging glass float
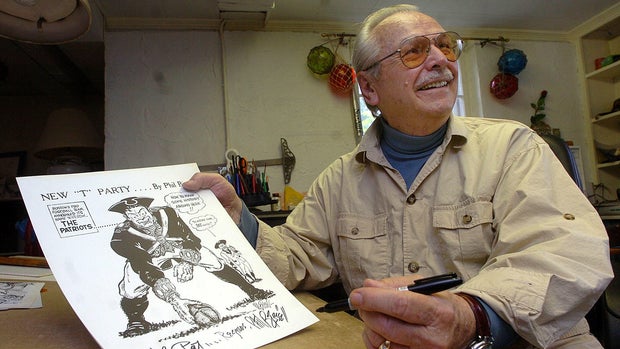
{"x": 341, "y": 78}
{"x": 504, "y": 85}
{"x": 320, "y": 60}
{"x": 512, "y": 62}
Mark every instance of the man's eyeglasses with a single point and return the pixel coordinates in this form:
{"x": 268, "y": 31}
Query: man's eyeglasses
{"x": 414, "y": 50}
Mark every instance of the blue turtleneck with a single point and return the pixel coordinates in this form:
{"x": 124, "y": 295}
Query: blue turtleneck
{"x": 409, "y": 153}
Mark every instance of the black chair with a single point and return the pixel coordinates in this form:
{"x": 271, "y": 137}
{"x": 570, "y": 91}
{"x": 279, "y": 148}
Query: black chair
{"x": 610, "y": 309}
{"x": 563, "y": 153}
{"x": 604, "y": 318}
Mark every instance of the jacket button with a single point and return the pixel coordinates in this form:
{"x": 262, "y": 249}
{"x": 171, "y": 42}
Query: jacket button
{"x": 411, "y": 199}
{"x": 466, "y": 219}
{"x": 355, "y": 231}
{"x": 569, "y": 216}
{"x": 413, "y": 267}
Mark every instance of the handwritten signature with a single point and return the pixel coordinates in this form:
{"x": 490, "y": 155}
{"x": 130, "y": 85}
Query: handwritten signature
{"x": 234, "y": 332}
{"x": 185, "y": 345}
{"x": 267, "y": 318}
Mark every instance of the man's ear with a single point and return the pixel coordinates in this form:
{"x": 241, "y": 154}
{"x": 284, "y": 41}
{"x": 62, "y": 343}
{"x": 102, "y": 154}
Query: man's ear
{"x": 366, "y": 87}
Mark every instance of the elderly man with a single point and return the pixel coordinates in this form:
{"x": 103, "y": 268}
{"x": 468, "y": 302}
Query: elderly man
{"x": 426, "y": 193}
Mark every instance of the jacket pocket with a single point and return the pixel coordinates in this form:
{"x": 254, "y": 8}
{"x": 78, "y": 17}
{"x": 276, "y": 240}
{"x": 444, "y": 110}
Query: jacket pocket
{"x": 466, "y": 233}
{"x": 363, "y": 247}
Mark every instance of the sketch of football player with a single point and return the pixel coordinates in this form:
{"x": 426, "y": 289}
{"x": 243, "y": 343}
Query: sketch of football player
{"x": 153, "y": 240}
{"x": 233, "y": 258}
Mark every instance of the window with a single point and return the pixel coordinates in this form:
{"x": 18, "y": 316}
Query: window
{"x": 459, "y": 105}
{"x": 362, "y": 116}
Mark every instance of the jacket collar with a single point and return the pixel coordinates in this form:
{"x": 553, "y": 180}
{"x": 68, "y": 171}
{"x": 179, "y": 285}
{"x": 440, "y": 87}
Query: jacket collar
{"x": 369, "y": 148}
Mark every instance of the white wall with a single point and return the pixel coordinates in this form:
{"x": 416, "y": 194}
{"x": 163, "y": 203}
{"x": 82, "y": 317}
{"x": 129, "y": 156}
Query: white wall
{"x": 273, "y": 94}
{"x": 165, "y": 98}
{"x": 165, "y": 101}
{"x": 551, "y": 66}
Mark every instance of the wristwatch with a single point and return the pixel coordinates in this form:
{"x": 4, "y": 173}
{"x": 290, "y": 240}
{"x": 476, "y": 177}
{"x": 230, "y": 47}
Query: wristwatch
{"x": 483, "y": 339}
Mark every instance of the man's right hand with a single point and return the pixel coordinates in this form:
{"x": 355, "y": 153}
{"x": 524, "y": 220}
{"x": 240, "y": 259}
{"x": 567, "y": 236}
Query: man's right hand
{"x": 412, "y": 320}
{"x": 223, "y": 190}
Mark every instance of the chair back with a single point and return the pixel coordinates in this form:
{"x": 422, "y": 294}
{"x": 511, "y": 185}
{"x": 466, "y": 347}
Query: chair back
{"x": 564, "y": 154}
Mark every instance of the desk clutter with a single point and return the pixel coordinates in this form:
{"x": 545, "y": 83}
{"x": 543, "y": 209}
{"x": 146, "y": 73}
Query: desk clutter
{"x": 57, "y": 326}
{"x": 250, "y": 177}
{"x": 252, "y": 185}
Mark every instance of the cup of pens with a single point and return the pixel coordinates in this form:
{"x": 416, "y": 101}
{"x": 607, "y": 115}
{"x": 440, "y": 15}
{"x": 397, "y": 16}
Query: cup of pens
{"x": 250, "y": 183}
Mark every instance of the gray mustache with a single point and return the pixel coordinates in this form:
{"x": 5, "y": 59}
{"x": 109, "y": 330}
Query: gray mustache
{"x": 434, "y": 75}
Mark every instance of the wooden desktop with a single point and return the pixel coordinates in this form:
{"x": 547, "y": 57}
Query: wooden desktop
{"x": 57, "y": 326}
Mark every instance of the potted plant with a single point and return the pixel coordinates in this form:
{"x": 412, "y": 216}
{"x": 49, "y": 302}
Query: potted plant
{"x": 538, "y": 124}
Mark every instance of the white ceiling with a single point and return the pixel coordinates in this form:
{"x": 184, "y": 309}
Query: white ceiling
{"x": 546, "y": 15}
{"x": 63, "y": 69}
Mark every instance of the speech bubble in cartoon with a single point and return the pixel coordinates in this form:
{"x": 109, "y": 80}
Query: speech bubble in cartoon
{"x": 190, "y": 203}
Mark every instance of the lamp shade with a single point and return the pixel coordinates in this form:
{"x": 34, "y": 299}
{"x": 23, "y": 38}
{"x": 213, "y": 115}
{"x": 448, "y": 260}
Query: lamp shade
{"x": 44, "y": 21}
{"x": 69, "y": 132}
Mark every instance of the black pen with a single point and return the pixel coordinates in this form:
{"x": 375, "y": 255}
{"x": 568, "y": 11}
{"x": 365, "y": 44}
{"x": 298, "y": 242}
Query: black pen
{"x": 426, "y": 286}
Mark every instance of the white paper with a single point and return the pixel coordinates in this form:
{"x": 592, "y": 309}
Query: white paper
{"x": 76, "y": 222}
{"x": 19, "y": 295}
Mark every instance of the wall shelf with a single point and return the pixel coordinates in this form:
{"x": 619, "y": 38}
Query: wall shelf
{"x": 602, "y": 88}
{"x": 613, "y": 117}
{"x": 608, "y": 165}
{"x": 607, "y": 72}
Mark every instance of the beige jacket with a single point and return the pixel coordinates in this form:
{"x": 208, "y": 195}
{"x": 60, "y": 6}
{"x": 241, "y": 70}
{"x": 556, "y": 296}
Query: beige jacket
{"x": 492, "y": 203}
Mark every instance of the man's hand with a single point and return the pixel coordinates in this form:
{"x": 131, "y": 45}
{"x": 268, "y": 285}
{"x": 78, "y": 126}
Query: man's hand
{"x": 223, "y": 190}
{"x": 412, "y": 320}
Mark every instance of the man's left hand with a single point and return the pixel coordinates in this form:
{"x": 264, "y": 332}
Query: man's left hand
{"x": 412, "y": 320}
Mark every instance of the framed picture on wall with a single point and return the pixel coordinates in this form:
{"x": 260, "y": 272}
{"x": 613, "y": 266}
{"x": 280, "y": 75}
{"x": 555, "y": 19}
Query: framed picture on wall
{"x": 11, "y": 166}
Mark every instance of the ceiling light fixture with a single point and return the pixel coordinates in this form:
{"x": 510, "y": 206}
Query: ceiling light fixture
{"x": 44, "y": 21}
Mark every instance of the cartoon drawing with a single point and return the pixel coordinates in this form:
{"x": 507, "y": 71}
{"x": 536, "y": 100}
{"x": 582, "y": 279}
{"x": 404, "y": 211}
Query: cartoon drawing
{"x": 154, "y": 240}
{"x": 135, "y": 256}
{"x": 12, "y": 292}
{"x": 234, "y": 259}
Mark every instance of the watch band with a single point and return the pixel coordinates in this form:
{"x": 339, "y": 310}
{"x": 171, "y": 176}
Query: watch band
{"x": 483, "y": 338}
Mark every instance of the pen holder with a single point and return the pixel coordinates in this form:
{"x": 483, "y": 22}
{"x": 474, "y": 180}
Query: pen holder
{"x": 257, "y": 199}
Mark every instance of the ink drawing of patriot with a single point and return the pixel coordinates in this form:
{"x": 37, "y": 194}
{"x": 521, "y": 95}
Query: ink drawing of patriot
{"x": 161, "y": 253}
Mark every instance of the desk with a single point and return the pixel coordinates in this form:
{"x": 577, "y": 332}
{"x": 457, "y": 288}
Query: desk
{"x": 272, "y": 218}
{"x": 57, "y": 326}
